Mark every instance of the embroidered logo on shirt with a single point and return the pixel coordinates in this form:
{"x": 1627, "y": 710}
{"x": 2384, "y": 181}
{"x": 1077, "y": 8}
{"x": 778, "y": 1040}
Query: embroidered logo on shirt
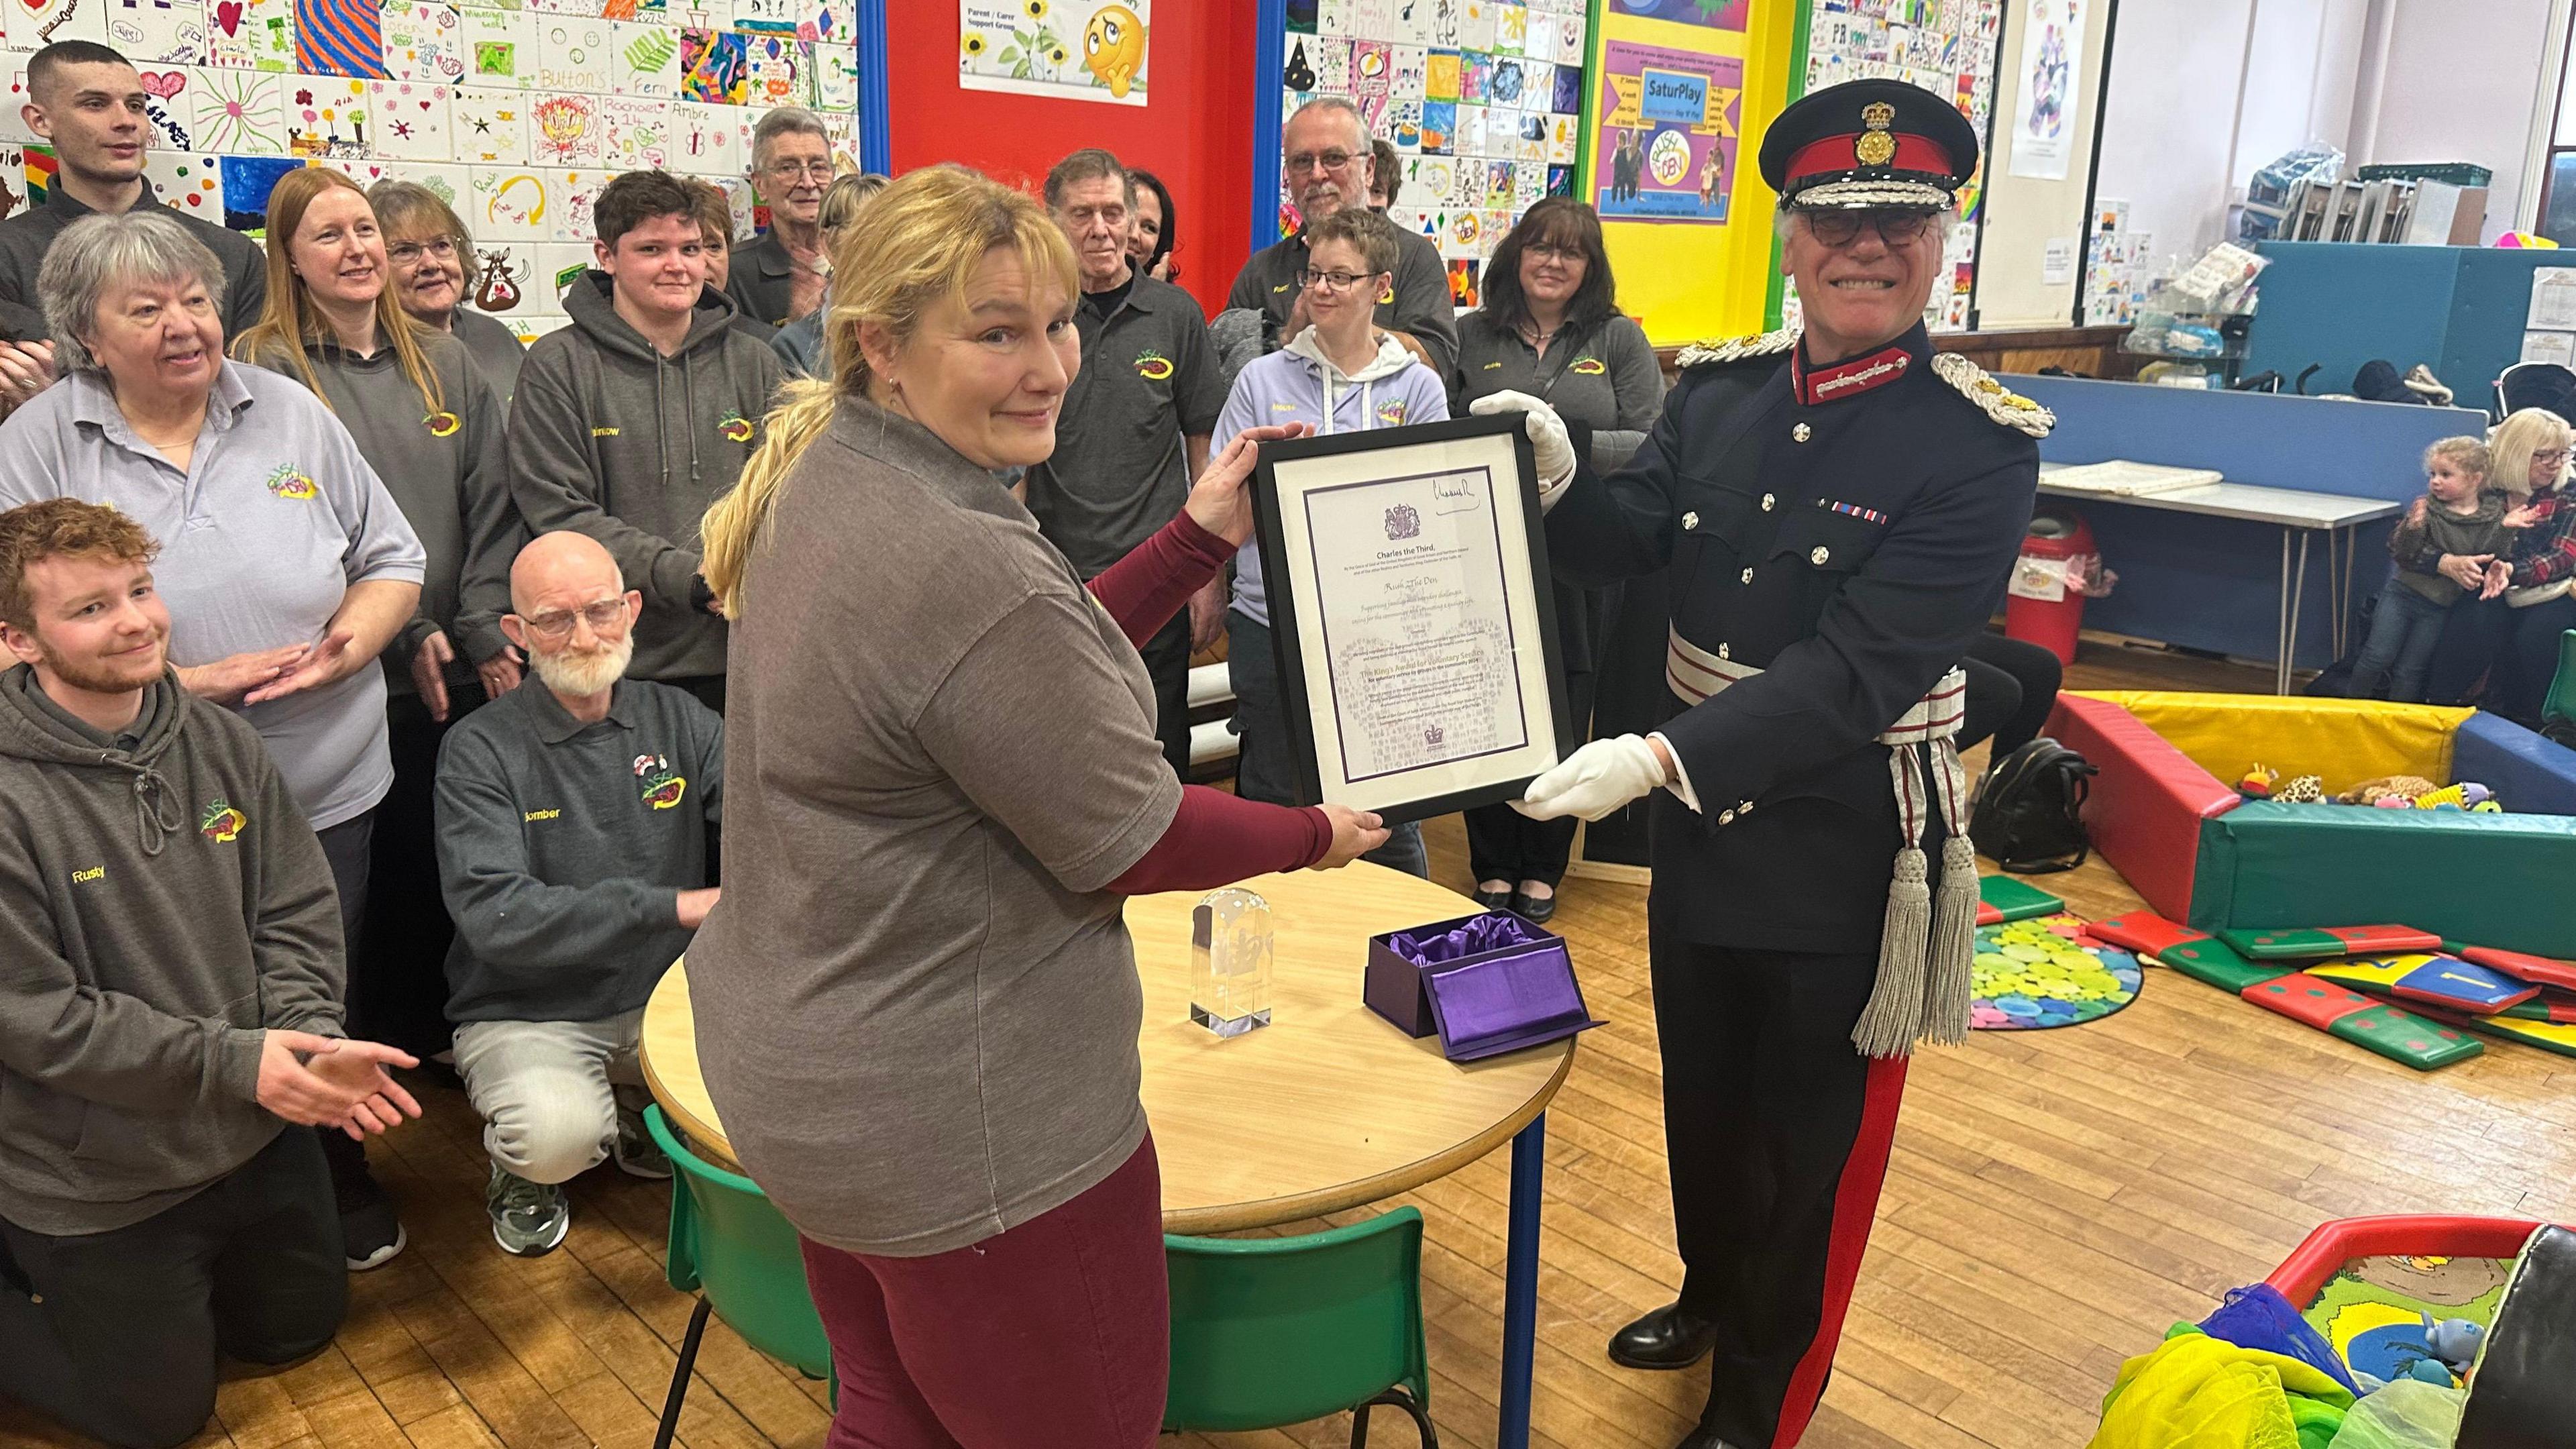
{"x": 441, "y": 425}
{"x": 221, "y": 822}
{"x": 603, "y": 432}
{"x": 1589, "y": 366}
{"x": 1282, "y": 287}
{"x": 533, "y": 816}
{"x": 1390, "y": 413}
{"x": 735, "y": 427}
{"x": 288, "y": 482}
{"x": 662, "y": 788}
{"x": 1283, "y": 407}
{"x": 1494, "y": 365}
{"x": 1153, "y": 366}
{"x": 95, "y": 872}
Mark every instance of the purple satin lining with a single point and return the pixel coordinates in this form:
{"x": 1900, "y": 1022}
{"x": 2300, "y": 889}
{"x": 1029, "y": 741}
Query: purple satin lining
{"x": 1484, "y": 933}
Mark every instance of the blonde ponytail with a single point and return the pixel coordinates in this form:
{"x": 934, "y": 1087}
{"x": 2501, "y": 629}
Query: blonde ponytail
{"x": 926, "y": 236}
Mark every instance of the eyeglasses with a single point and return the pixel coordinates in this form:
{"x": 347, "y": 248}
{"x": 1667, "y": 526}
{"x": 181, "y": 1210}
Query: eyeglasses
{"x": 1547, "y": 253}
{"x": 1842, "y": 228}
{"x": 1318, "y": 161}
{"x": 2554, "y": 455}
{"x": 407, "y": 254}
{"x": 1333, "y": 281}
{"x": 790, "y": 170}
{"x": 603, "y": 617}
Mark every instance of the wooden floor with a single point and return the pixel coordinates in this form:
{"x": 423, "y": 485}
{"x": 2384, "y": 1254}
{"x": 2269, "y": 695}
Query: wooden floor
{"x": 2055, "y": 1201}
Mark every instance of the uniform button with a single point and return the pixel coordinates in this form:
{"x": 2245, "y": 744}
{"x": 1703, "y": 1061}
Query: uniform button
{"x": 1819, "y": 556}
{"x": 1801, "y": 433}
{"x": 1767, "y": 501}
{"x": 1744, "y": 809}
{"x": 1721, "y": 651}
{"x": 1690, "y": 520}
{"x": 1726, "y": 817}
{"x": 1748, "y": 576}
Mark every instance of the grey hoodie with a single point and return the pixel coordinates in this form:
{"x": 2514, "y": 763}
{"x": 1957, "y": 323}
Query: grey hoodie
{"x": 611, "y": 438}
{"x": 160, "y": 906}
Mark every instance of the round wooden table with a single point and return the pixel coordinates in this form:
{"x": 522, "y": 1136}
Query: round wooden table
{"x": 1326, "y": 1108}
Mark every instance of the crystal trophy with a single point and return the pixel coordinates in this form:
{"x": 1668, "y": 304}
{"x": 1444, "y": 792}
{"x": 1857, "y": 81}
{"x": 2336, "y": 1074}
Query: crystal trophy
{"x": 1230, "y": 962}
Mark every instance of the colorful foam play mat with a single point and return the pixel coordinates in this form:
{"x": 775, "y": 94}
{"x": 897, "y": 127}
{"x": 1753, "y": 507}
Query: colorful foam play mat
{"x": 2046, "y": 972}
{"x": 2391, "y": 1317}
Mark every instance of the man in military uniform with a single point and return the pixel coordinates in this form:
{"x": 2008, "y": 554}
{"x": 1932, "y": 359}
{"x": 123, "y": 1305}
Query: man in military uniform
{"x": 1839, "y": 512}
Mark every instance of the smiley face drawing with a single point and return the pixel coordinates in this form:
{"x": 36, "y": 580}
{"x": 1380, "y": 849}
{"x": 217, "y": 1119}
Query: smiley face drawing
{"x": 1113, "y": 48}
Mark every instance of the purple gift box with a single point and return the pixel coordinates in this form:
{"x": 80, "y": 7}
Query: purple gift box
{"x": 1487, "y": 983}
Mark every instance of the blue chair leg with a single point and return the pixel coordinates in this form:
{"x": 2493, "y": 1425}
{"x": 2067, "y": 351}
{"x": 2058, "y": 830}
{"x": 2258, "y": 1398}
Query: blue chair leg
{"x": 680, "y": 1375}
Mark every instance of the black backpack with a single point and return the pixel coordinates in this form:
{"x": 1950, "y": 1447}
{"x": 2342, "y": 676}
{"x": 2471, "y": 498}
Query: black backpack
{"x": 2028, "y": 818}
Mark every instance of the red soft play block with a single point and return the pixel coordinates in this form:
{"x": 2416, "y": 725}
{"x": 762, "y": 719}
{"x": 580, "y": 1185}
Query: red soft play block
{"x": 2541, "y": 970}
{"x": 2383, "y": 940}
{"x": 2145, "y": 807}
{"x": 2144, "y": 932}
{"x": 2306, "y": 999}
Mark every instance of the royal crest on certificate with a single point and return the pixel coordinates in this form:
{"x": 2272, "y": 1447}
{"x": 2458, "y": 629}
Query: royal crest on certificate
{"x": 1416, "y": 621}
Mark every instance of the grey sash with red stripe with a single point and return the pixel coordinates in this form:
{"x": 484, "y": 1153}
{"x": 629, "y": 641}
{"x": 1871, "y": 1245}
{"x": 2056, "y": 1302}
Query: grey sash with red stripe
{"x": 1923, "y": 958}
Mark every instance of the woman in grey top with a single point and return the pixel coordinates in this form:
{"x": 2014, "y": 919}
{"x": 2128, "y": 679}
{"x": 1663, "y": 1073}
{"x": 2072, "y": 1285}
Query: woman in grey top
{"x": 1550, "y": 327}
{"x": 433, "y": 259}
{"x": 423, "y": 417}
{"x": 287, "y": 566}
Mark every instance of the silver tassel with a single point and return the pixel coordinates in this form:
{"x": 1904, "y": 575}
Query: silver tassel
{"x": 1893, "y": 1019}
{"x": 1954, "y": 945}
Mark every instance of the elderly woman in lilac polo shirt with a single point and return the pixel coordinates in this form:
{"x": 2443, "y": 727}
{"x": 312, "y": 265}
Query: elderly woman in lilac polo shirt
{"x": 286, "y": 565}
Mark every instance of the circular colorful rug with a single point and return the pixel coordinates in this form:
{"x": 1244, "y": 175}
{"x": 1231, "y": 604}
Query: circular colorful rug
{"x": 2046, "y": 972}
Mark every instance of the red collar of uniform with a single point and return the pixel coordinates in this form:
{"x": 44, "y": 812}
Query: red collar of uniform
{"x": 1819, "y": 385}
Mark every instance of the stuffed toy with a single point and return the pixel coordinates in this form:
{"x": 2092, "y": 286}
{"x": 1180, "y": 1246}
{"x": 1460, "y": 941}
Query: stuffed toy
{"x": 2401, "y": 789}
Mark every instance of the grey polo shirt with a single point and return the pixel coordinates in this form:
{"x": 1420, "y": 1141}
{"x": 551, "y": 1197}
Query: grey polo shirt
{"x": 762, "y": 280}
{"x": 1416, "y": 304}
{"x": 1607, "y": 381}
{"x": 25, "y": 238}
{"x": 260, "y": 538}
{"x": 1120, "y": 469}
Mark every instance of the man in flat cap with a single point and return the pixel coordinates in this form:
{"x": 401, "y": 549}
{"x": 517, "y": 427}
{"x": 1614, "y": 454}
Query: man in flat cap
{"x": 1839, "y": 511}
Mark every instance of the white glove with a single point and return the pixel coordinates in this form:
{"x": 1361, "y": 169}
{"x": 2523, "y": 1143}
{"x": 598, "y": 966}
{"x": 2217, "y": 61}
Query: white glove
{"x": 1595, "y": 780}
{"x": 1549, "y": 446}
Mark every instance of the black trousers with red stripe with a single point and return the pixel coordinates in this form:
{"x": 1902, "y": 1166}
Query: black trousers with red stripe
{"x": 1778, "y": 1135}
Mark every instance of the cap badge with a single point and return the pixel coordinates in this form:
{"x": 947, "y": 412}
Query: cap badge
{"x": 1875, "y": 146}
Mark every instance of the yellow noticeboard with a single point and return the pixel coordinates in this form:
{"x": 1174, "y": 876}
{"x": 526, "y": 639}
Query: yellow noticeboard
{"x": 1683, "y": 90}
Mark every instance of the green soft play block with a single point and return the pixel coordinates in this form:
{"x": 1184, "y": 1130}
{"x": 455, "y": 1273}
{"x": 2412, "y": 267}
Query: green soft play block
{"x": 2013, "y": 900}
{"x": 2213, "y": 961}
{"x": 2288, "y": 943}
{"x": 2441, "y": 871}
{"x": 2402, "y": 1036}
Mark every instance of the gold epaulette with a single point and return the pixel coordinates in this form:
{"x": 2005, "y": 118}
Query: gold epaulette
{"x": 1992, "y": 398}
{"x": 1736, "y": 349}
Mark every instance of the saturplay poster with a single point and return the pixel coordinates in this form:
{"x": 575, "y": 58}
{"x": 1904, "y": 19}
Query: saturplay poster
{"x": 2052, "y": 50}
{"x": 1668, "y": 133}
{"x": 1074, "y": 50}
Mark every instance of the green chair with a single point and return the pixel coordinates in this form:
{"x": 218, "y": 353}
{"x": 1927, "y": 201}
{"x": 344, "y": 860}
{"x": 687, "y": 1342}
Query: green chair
{"x": 1273, "y": 1331}
{"x": 2558, "y": 710}
{"x": 731, "y": 1248}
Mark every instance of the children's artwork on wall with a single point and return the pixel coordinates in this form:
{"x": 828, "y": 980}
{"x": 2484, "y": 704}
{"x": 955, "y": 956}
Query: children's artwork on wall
{"x": 572, "y": 54}
{"x": 250, "y": 34}
{"x": 148, "y": 31}
{"x": 778, "y": 70}
{"x": 240, "y": 112}
{"x": 1084, "y": 50}
{"x": 246, "y": 184}
{"x": 836, "y": 77}
{"x": 713, "y": 67}
{"x": 500, "y": 279}
{"x": 507, "y": 204}
{"x": 32, "y": 27}
{"x": 563, "y": 130}
{"x": 339, "y": 37}
{"x": 572, "y": 192}
{"x": 169, "y": 107}
{"x": 559, "y": 265}
{"x": 501, "y": 47}
{"x": 829, "y": 21}
{"x": 412, "y": 120}
{"x": 635, "y": 133}
{"x": 489, "y": 126}
{"x": 190, "y": 183}
{"x": 768, "y": 17}
{"x": 644, "y": 59}
{"x": 710, "y": 140}
{"x": 326, "y": 116}
{"x": 424, "y": 41}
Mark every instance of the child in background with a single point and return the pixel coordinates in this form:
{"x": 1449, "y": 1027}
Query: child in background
{"x": 2443, "y": 548}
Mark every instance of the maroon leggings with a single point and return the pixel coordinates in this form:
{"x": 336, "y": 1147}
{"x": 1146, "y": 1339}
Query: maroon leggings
{"x": 1056, "y": 1333}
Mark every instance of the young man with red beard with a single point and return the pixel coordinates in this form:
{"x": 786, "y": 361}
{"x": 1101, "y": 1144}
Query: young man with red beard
{"x": 572, "y": 847}
{"x": 170, "y": 977}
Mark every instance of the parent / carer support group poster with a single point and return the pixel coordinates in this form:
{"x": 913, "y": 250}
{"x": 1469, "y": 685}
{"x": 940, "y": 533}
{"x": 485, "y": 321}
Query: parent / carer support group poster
{"x": 1668, "y": 134}
{"x": 1074, "y": 50}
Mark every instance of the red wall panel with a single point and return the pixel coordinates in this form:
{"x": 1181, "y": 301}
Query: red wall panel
{"x": 1196, "y": 132}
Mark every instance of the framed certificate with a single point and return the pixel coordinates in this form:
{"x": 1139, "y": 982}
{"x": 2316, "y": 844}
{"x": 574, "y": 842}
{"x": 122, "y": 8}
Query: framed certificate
{"x": 1413, "y": 615}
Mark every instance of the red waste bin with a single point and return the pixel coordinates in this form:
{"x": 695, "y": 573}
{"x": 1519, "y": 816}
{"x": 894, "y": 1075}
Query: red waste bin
{"x": 2042, "y": 607}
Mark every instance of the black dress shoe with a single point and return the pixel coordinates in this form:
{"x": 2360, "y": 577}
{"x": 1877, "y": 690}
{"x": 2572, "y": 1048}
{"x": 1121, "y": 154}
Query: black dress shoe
{"x": 1671, "y": 1337}
{"x": 1492, "y": 900}
{"x": 1704, "y": 1438}
{"x": 1534, "y": 909}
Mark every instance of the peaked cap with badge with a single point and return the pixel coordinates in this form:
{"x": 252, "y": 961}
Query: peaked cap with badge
{"x": 1834, "y": 530}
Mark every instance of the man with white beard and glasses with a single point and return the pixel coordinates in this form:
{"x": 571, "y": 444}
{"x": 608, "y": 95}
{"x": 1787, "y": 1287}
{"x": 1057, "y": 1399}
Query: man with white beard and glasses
{"x": 572, "y": 847}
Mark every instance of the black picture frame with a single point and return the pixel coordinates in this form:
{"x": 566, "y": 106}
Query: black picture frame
{"x": 1287, "y": 610}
